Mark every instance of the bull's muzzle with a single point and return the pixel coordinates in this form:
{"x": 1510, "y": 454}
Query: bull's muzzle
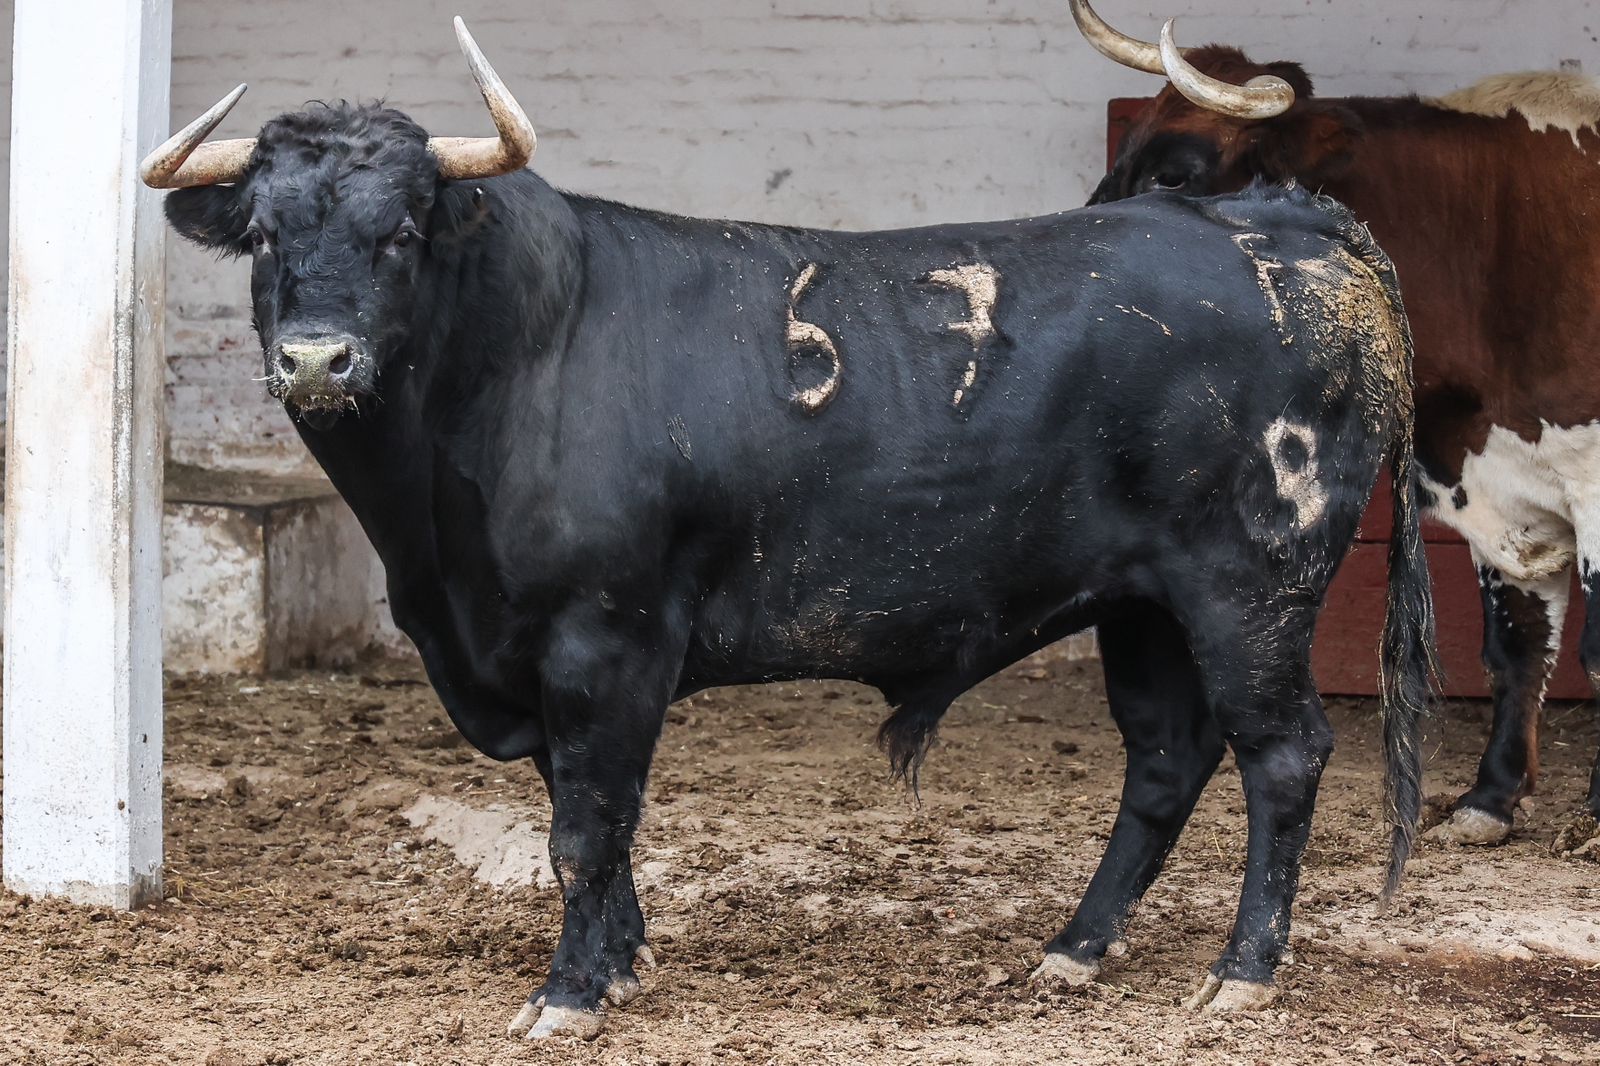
{"x": 313, "y": 374}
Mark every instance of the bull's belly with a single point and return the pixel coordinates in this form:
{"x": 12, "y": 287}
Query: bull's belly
{"x": 1528, "y": 508}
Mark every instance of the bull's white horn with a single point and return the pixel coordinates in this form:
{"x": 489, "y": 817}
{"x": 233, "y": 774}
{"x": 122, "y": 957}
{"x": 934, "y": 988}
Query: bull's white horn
{"x": 1265, "y": 96}
{"x": 463, "y": 158}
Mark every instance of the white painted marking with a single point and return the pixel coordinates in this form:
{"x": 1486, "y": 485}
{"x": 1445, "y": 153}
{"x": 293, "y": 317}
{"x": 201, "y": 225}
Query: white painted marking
{"x": 82, "y": 731}
{"x": 980, "y": 283}
{"x": 1266, "y": 266}
{"x": 801, "y": 334}
{"x": 1130, "y": 310}
{"x": 1298, "y": 483}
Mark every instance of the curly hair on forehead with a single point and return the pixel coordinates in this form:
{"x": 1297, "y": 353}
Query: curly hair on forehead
{"x": 348, "y": 136}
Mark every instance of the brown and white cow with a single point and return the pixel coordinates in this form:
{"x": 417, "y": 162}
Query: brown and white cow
{"x": 1488, "y": 201}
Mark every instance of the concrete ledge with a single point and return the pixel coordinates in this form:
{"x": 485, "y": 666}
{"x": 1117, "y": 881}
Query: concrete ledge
{"x": 265, "y": 572}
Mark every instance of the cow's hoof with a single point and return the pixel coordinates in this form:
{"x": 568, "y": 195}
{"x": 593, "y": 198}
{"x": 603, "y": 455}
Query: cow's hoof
{"x": 1471, "y": 826}
{"x": 1218, "y": 996}
{"x": 562, "y": 1021}
{"x": 644, "y": 958}
{"x": 1058, "y": 968}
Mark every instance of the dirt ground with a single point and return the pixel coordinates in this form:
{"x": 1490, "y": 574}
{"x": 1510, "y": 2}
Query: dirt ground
{"x": 350, "y": 883}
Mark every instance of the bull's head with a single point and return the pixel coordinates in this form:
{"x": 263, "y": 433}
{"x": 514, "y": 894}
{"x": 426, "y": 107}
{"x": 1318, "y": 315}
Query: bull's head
{"x": 334, "y": 205}
{"x": 1222, "y": 122}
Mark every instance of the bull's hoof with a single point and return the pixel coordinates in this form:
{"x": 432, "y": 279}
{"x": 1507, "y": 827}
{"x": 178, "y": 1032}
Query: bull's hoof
{"x": 534, "y": 1023}
{"x": 526, "y": 1017}
{"x": 1218, "y": 996}
{"x": 1060, "y": 969}
{"x": 1471, "y": 826}
{"x": 644, "y": 958}
{"x": 623, "y": 989}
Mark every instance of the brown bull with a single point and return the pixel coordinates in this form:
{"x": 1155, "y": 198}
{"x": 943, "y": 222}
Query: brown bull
{"x": 1488, "y": 201}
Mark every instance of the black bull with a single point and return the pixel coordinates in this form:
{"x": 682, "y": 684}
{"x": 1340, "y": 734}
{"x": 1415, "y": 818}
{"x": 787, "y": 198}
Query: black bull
{"x": 610, "y": 458}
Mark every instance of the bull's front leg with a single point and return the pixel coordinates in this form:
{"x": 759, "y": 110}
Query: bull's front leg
{"x": 603, "y": 714}
{"x": 627, "y": 949}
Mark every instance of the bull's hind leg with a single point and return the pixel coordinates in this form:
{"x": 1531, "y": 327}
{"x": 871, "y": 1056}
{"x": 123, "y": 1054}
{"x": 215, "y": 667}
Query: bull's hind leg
{"x": 1260, "y": 686}
{"x": 1521, "y": 634}
{"x": 1173, "y": 746}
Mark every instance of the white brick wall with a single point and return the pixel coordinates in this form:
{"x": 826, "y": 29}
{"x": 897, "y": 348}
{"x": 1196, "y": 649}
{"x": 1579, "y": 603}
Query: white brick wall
{"x": 855, "y": 113}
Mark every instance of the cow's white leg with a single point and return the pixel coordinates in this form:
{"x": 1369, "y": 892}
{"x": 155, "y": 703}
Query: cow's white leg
{"x": 1517, "y": 504}
{"x": 1588, "y": 528}
{"x": 1521, "y": 635}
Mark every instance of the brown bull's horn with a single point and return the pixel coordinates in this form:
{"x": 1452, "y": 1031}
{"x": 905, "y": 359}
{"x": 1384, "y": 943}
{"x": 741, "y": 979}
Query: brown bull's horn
{"x": 1260, "y": 97}
{"x": 1113, "y": 44}
{"x": 484, "y": 157}
{"x": 184, "y": 162}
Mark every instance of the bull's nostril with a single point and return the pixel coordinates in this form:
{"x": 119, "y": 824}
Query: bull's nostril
{"x": 340, "y": 364}
{"x": 287, "y": 364}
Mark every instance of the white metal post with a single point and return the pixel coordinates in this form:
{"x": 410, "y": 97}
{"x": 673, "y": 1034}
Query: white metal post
{"x": 82, "y": 734}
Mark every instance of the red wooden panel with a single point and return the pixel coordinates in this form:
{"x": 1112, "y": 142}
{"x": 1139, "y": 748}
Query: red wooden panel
{"x": 1121, "y": 113}
{"x": 1345, "y": 657}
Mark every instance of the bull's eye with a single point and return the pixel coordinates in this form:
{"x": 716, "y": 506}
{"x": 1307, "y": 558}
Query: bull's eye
{"x": 404, "y": 237}
{"x": 256, "y": 236}
{"x": 1171, "y": 181}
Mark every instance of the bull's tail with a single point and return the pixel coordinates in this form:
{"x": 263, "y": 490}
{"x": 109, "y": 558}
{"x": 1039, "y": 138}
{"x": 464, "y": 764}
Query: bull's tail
{"x": 907, "y": 734}
{"x": 1407, "y": 660}
{"x": 1408, "y": 663}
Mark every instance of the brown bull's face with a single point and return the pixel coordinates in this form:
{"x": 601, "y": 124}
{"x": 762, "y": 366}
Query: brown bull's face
{"x": 1163, "y": 161}
{"x": 1177, "y": 146}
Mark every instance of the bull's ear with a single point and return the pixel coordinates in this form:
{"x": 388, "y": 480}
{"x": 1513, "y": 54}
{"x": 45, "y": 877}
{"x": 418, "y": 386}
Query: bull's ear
{"x": 459, "y": 213}
{"x": 212, "y": 216}
{"x": 1315, "y": 142}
